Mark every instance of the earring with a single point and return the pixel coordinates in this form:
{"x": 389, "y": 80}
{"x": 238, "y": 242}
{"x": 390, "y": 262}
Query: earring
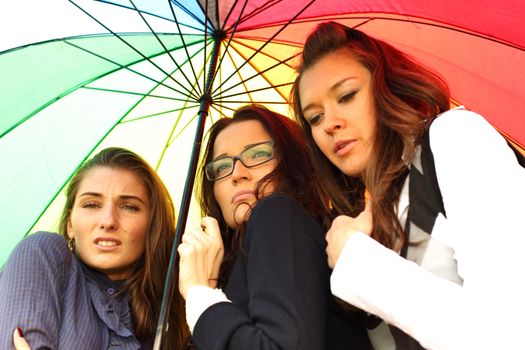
{"x": 71, "y": 244}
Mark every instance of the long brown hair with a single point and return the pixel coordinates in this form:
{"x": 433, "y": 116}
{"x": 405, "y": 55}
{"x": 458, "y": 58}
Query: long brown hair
{"x": 146, "y": 284}
{"x": 293, "y": 175}
{"x": 407, "y": 97}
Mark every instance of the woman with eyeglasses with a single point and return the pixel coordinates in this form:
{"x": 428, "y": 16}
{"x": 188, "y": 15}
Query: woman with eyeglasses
{"x": 254, "y": 275}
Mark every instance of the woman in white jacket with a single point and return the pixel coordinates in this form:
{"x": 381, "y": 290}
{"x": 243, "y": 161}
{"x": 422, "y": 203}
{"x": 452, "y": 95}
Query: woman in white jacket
{"x": 436, "y": 255}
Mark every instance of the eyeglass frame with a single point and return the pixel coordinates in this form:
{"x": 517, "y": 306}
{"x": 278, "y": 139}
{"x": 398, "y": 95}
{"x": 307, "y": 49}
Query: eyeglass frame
{"x": 238, "y": 158}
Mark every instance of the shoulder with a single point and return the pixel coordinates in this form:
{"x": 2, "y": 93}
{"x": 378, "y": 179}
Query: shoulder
{"x": 459, "y": 132}
{"x": 48, "y": 240}
{"x": 463, "y": 124}
{"x": 279, "y": 214}
{"x": 278, "y": 204}
{"x": 42, "y": 246}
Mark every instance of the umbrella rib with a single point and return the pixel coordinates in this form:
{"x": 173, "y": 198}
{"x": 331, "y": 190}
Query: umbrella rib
{"x": 51, "y": 101}
{"x": 222, "y": 104}
{"x": 158, "y": 15}
{"x": 192, "y": 119}
{"x": 205, "y": 40}
{"x": 172, "y": 139}
{"x": 80, "y": 163}
{"x": 164, "y": 46}
{"x": 269, "y": 40}
{"x": 259, "y": 73}
{"x": 190, "y": 13}
{"x": 131, "y": 47}
{"x": 52, "y": 199}
{"x": 147, "y": 116}
{"x": 135, "y": 93}
{"x": 259, "y": 10}
{"x": 170, "y": 136}
{"x": 242, "y": 81}
{"x": 223, "y": 26}
{"x": 185, "y": 47}
{"x": 225, "y": 107}
{"x": 429, "y": 23}
{"x": 121, "y": 121}
{"x": 165, "y": 112}
{"x": 127, "y": 67}
{"x": 228, "y": 45}
{"x": 253, "y": 90}
{"x": 221, "y": 95}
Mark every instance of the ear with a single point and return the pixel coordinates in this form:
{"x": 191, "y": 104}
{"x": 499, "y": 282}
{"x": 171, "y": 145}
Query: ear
{"x": 70, "y": 232}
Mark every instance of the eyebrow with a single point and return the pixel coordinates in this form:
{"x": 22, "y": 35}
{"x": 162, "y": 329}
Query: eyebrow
{"x": 123, "y": 196}
{"x": 332, "y": 89}
{"x": 222, "y": 155}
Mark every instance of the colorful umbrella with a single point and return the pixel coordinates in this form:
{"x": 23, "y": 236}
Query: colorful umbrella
{"x": 151, "y": 75}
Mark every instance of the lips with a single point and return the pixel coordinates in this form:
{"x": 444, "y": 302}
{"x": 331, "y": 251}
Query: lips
{"x": 342, "y": 147}
{"x": 242, "y": 195}
{"x": 107, "y": 242}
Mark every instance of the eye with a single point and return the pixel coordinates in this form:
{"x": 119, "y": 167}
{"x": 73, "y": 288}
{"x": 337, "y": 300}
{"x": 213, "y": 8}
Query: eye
{"x": 130, "y": 207}
{"x": 347, "y": 97}
{"x": 262, "y": 154}
{"x": 221, "y": 166}
{"x": 257, "y": 154}
{"x": 314, "y": 120}
{"x": 91, "y": 205}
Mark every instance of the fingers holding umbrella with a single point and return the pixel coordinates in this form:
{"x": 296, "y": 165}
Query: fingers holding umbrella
{"x": 201, "y": 255}
{"x": 216, "y": 251}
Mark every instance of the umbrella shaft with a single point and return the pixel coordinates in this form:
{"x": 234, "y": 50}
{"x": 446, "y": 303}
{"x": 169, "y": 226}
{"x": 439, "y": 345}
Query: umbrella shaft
{"x": 206, "y": 101}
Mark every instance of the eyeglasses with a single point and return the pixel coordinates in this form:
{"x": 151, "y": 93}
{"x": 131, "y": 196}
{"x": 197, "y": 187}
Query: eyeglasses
{"x": 254, "y": 155}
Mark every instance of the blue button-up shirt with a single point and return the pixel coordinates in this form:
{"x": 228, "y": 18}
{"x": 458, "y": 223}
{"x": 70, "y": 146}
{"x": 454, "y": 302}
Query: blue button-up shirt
{"x": 58, "y": 302}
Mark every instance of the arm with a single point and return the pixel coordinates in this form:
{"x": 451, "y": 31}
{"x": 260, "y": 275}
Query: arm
{"x": 31, "y": 287}
{"x": 286, "y": 278}
{"x": 483, "y": 190}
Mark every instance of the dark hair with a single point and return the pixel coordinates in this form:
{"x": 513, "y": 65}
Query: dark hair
{"x": 407, "y": 97}
{"x": 146, "y": 284}
{"x": 294, "y": 174}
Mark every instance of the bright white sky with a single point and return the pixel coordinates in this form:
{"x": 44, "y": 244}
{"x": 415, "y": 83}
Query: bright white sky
{"x": 25, "y": 22}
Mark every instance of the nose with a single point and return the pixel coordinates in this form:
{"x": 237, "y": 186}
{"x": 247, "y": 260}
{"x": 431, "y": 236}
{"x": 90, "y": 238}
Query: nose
{"x": 333, "y": 121}
{"x": 240, "y": 172}
{"x": 108, "y": 221}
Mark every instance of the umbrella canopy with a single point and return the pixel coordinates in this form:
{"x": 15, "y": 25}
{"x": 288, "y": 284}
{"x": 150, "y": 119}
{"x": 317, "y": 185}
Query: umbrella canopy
{"x": 150, "y": 75}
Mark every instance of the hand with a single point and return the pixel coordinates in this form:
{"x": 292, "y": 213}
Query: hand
{"x": 342, "y": 228}
{"x": 19, "y": 341}
{"x": 201, "y": 252}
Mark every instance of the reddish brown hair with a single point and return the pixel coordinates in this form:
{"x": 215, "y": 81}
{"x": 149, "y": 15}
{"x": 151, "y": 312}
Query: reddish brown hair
{"x": 294, "y": 174}
{"x": 407, "y": 96}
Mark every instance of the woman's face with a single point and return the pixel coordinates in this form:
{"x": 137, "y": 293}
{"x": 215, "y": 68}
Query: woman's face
{"x": 235, "y": 193}
{"x": 337, "y": 101}
{"x": 109, "y": 221}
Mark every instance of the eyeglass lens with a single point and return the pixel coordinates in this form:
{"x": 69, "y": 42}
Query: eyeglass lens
{"x": 250, "y": 157}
